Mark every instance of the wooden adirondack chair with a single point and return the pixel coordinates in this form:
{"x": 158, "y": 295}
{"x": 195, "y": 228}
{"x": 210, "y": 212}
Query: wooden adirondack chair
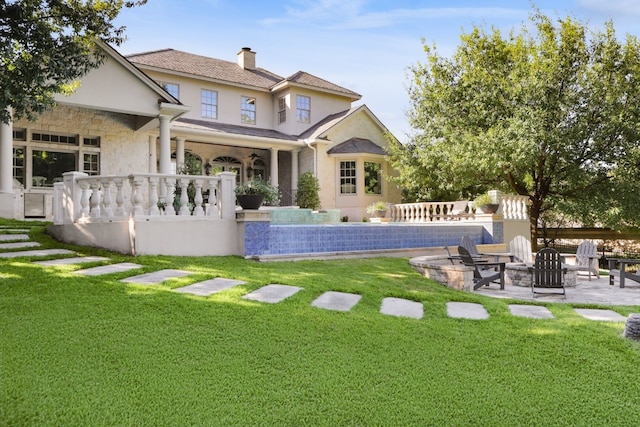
{"x": 482, "y": 275}
{"x": 587, "y": 258}
{"x": 520, "y": 248}
{"x": 471, "y": 247}
{"x": 548, "y": 273}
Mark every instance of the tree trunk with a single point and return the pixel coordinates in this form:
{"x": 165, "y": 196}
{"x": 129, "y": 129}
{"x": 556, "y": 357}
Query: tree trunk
{"x": 534, "y": 215}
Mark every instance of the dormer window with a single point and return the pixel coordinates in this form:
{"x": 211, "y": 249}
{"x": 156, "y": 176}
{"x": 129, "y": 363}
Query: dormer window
{"x": 248, "y": 110}
{"x": 303, "y": 109}
{"x": 282, "y": 110}
{"x": 172, "y": 88}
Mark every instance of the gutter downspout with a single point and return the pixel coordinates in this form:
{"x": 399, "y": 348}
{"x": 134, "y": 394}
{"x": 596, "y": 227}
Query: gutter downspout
{"x": 315, "y": 156}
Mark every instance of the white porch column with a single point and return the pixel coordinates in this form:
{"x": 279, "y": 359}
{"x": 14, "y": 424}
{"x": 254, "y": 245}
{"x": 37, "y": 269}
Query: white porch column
{"x": 179, "y": 153}
{"x": 153, "y": 157}
{"x": 274, "y": 167}
{"x": 294, "y": 170}
{"x": 6, "y": 156}
{"x": 165, "y": 144}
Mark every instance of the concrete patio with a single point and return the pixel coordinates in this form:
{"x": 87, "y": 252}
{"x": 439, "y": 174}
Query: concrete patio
{"x": 595, "y": 291}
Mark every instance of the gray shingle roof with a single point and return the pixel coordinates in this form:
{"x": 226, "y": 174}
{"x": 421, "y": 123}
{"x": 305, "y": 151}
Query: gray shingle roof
{"x": 217, "y": 69}
{"x": 232, "y": 129}
{"x": 306, "y": 79}
{"x": 357, "y": 145}
{"x": 211, "y": 68}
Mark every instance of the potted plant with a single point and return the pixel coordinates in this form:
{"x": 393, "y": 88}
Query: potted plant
{"x": 378, "y": 209}
{"x": 251, "y": 194}
{"x": 485, "y": 203}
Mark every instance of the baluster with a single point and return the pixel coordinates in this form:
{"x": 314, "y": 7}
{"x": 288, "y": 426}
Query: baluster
{"x": 153, "y": 196}
{"x": 214, "y": 209}
{"x": 94, "y": 200}
{"x": 120, "y": 211}
{"x": 198, "y": 210}
{"x": 107, "y": 202}
{"x": 136, "y": 198}
{"x": 184, "y": 197}
{"x": 84, "y": 199}
{"x": 170, "y": 185}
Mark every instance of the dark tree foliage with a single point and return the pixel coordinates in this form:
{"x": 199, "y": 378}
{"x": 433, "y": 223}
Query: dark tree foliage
{"x": 46, "y": 45}
{"x": 551, "y": 112}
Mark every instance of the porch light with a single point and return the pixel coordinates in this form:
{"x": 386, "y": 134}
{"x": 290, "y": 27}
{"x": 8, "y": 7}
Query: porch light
{"x": 207, "y": 168}
{"x": 249, "y": 172}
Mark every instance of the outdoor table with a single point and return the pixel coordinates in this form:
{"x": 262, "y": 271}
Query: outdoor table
{"x": 621, "y": 272}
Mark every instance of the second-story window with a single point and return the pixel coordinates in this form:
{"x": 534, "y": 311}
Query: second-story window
{"x": 172, "y": 88}
{"x": 248, "y": 110}
{"x": 303, "y": 109}
{"x": 282, "y": 110}
{"x": 209, "y": 104}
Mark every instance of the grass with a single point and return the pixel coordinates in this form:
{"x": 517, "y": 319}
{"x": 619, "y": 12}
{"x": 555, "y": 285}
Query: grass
{"x": 80, "y": 351}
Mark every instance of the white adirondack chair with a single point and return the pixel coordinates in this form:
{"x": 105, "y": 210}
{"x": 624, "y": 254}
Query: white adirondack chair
{"x": 587, "y": 258}
{"x": 520, "y": 248}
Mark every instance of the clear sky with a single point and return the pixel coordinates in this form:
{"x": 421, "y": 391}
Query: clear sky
{"x": 363, "y": 45}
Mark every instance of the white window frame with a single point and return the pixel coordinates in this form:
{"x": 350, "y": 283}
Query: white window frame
{"x": 248, "y": 110}
{"x": 303, "y": 109}
{"x": 209, "y": 103}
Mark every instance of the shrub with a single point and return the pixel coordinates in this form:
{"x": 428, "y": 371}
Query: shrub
{"x": 308, "y": 189}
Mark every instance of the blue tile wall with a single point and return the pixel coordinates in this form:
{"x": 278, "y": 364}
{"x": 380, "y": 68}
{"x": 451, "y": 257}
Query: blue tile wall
{"x": 261, "y": 238}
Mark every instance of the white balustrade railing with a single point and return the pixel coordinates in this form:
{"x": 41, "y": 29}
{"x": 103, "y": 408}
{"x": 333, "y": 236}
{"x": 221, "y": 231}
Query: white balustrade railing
{"x": 96, "y": 198}
{"x": 421, "y": 212}
{"x": 513, "y": 207}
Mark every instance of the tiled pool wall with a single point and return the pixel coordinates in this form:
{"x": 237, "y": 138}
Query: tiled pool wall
{"x": 263, "y": 238}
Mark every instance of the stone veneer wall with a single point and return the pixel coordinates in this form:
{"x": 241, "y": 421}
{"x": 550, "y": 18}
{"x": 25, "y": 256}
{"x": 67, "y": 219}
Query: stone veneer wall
{"x": 122, "y": 149}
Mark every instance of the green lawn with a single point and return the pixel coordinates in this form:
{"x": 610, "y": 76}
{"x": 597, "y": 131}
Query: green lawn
{"x": 92, "y": 351}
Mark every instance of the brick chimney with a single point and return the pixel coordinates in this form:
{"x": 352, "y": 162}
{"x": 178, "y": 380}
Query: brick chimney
{"x": 247, "y": 59}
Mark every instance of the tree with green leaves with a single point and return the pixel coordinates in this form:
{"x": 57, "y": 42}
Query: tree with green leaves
{"x": 551, "y": 113}
{"x": 47, "y": 45}
{"x": 308, "y": 196}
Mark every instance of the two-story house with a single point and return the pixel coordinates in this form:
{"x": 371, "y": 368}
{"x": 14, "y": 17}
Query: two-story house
{"x": 153, "y": 111}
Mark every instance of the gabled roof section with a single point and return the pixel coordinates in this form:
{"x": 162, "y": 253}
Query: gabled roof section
{"x": 176, "y": 61}
{"x": 231, "y": 129}
{"x": 356, "y": 146}
{"x": 323, "y": 126}
{"x": 304, "y": 79}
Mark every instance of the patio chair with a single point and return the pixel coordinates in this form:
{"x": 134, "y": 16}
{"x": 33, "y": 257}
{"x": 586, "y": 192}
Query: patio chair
{"x": 459, "y": 210}
{"x": 520, "y": 248}
{"x": 471, "y": 247}
{"x": 587, "y": 258}
{"x": 548, "y": 273}
{"x": 482, "y": 274}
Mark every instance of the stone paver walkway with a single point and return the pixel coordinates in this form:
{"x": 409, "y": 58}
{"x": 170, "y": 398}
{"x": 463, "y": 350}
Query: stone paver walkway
{"x": 109, "y": 269}
{"x": 19, "y": 245}
{"x": 402, "y": 308}
{"x": 156, "y": 277}
{"x": 209, "y": 287}
{"x": 35, "y": 253}
{"x": 466, "y": 310}
{"x": 272, "y": 293}
{"x": 601, "y": 315}
{"x": 13, "y": 237}
{"x": 339, "y": 301}
{"x": 531, "y": 311}
{"x": 71, "y": 261}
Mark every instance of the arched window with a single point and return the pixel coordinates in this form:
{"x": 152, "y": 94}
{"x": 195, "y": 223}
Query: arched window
{"x": 228, "y": 164}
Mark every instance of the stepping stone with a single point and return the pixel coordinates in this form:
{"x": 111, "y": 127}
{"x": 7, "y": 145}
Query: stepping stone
{"x": 6, "y": 229}
{"x": 156, "y": 277}
{"x": 209, "y": 287}
{"x": 272, "y": 293}
{"x": 108, "y": 269}
{"x": 466, "y": 310}
{"x": 35, "y": 253}
{"x": 339, "y": 301}
{"x": 7, "y": 237}
{"x": 19, "y": 245}
{"x": 70, "y": 261}
{"x": 402, "y": 308}
{"x": 531, "y": 311}
{"x": 602, "y": 315}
